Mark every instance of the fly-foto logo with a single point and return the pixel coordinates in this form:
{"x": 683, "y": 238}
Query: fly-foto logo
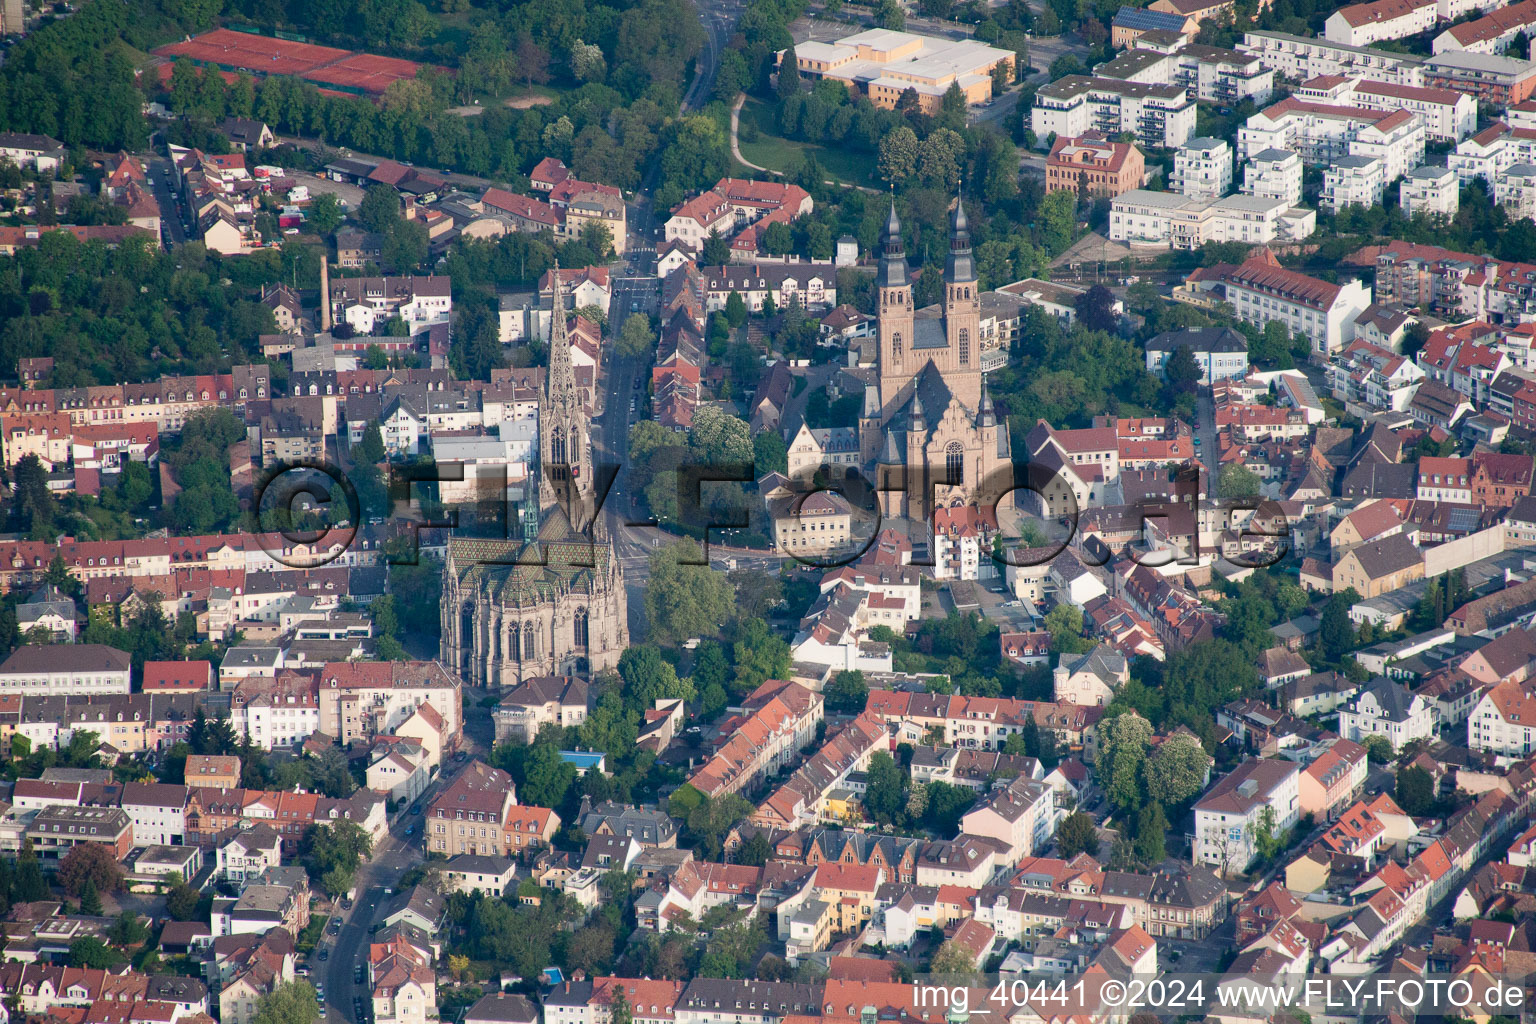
{"x": 1035, "y": 510}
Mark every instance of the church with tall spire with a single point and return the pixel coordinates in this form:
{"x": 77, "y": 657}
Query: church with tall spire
{"x": 514, "y": 610}
{"x": 565, "y": 445}
{"x": 928, "y": 434}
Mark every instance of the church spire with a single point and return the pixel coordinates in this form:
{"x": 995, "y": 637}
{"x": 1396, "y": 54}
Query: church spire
{"x": 562, "y": 375}
{"x": 985, "y": 417}
{"x": 566, "y": 477}
{"x": 959, "y": 267}
{"x": 893, "y": 257}
{"x": 915, "y": 414}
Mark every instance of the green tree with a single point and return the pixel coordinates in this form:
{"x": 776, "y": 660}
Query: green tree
{"x": 1182, "y": 371}
{"x": 769, "y": 453}
{"x": 1335, "y": 636}
{"x": 636, "y": 337}
{"x": 1123, "y": 745}
{"x": 684, "y": 597}
{"x": 181, "y": 902}
{"x": 90, "y": 899}
{"x": 885, "y": 797}
{"x": 1415, "y": 791}
{"x": 29, "y": 886}
{"x": 128, "y": 930}
{"x": 371, "y": 448}
{"x": 1265, "y": 835}
{"x": 92, "y": 952}
{"x": 788, "y": 83}
{"x": 324, "y": 215}
{"x": 1237, "y": 480}
{"x": 761, "y": 654}
{"x": 735, "y": 306}
{"x": 897, "y": 159}
{"x": 1151, "y": 827}
{"x": 1077, "y": 834}
{"x": 380, "y": 209}
{"x": 847, "y": 693}
{"x": 292, "y": 1002}
{"x": 1177, "y": 770}
{"x": 1379, "y": 749}
{"x": 716, "y": 251}
{"x": 648, "y": 677}
{"x": 1065, "y": 624}
{"x": 546, "y": 776}
{"x": 951, "y": 958}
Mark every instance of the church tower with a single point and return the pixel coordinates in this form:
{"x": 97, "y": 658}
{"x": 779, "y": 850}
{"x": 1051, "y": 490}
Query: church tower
{"x": 895, "y": 318}
{"x": 565, "y": 455}
{"x": 962, "y": 312}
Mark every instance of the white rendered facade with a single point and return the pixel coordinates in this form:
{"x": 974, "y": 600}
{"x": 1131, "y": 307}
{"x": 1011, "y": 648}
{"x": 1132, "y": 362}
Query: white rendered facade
{"x": 1202, "y": 169}
{"x": 1274, "y": 174}
{"x": 1429, "y": 190}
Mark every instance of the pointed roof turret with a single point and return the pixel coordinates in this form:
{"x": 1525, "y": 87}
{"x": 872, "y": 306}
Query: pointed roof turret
{"x": 985, "y": 417}
{"x": 915, "y": 414}
{"x": 893, "y": 257}
{"x": 959, "y": 267}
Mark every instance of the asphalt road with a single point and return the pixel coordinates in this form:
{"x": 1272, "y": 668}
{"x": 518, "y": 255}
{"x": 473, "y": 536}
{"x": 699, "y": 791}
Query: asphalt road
{"x": 719, "y": 19}
{"x": 348, "y": 949}
{"x": 173, "y": 213}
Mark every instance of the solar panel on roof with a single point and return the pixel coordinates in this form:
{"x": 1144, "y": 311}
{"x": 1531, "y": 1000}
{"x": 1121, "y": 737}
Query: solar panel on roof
{"x": 1463, "y": 519}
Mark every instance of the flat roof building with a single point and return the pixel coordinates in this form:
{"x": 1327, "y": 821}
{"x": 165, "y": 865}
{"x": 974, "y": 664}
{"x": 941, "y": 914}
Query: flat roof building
{"x": 884, "y": 64}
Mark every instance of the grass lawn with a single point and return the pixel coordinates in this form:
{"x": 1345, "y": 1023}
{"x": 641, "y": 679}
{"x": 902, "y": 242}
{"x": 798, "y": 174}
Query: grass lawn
{"x": 849, "y": 167}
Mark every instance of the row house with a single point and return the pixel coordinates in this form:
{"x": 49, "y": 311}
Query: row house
{"x": 983, "y": 722}
{"x": 812, "y": 285}
{"x": 763, "y": 742}
{"x": 810, "y": 793}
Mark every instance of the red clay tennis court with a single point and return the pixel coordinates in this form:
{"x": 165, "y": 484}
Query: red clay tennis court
{"x": 346, "y": 70}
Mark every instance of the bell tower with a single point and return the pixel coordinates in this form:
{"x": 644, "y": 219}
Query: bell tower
{"x": 962, "y": 312}
{"x": 897, "y": 365}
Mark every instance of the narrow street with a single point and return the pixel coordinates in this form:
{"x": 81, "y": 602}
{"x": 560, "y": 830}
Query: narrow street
{"x": 374, "y": 883}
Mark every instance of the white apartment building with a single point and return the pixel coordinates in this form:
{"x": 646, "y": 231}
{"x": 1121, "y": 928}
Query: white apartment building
{"x": 1374, "y": 377}
{"x": 1210, "y": 74}
{"x": 1168, "y": 218}
{"x": 65, "y": 669}
{"x": 1491, "y": 152}
{"x": 1274, "y": 174}
{"x": 275, "y": 713}
{"x": 1226, "y": 817}
{"x": 1158, "y": 115}
{"x": 1364, "y": 24}
{"x": 1448, "y": 115}
{"x": 1202, "y": 169}
{"x": 365, "y": 302}
{"x": 1298, "y": 58}
{"x": 958, "y": 538}
{"x": 1324, "y": 132}
{"x": 1503, "y": 722}
{"x": 1353, "y": 181}
{"x": 1429, "y": 190}
{"x": 1261, "y": 290}
{"x": 1515, "y": 190}
{"x": 159, "y": 812}
{"x": 1387, "y": 709}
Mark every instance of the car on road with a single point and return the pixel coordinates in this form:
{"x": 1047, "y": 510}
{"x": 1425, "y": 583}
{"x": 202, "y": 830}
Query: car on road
{"x": 460, "y": 756}
{"x": 410, "y": 830}
{"x": 325, "y": 954}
